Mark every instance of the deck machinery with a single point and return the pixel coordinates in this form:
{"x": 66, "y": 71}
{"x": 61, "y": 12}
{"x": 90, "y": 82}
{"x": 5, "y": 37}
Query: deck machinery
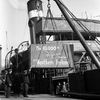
{"x": 61, "y": 50}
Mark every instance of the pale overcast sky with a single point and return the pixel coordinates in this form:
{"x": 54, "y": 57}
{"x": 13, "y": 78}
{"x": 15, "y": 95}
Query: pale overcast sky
{"x": 14, "y": 18}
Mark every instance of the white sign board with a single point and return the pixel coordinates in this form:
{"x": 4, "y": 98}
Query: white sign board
{"x": 49, "y": 56}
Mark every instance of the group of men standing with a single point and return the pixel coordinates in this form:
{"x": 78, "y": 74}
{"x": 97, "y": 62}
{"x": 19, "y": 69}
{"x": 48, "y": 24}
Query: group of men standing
{"x": 16, "y": 78}
{"x": 17, "y": 83}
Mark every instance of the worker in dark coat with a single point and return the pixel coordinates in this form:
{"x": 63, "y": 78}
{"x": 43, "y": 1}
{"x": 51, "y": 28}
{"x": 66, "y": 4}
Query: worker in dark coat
{"x": 17, "y": 64}
{"x": 8, "y": 84}
{"x": 58, "y": 88}
{"x": 25, "y": 84}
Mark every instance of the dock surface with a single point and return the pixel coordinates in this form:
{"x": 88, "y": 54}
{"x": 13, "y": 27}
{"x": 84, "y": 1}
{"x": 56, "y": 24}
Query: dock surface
{"x": 36, "y": 97}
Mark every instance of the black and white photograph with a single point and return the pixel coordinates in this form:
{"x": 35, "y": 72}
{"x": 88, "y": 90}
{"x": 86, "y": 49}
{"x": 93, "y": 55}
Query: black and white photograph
{"x": 49, "y": 49}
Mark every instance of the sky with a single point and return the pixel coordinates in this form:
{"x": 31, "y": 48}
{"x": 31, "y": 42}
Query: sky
{"x": 14, "y": 19}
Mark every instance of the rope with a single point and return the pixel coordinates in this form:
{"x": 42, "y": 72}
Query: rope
{"x": 45, "y": 25}
{"x": 49, "y": 15}
{"x": 81, "y": 24}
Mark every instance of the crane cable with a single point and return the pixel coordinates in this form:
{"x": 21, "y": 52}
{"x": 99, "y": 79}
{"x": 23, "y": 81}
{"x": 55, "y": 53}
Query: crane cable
{"x": 86, "y": 30}
{"x": 54, "y": 27}
{"x": 80, "y": 23}
{"x": 74, "y": 17}
{"x": 49, "y": 15}
{"x": 82, "y": 26}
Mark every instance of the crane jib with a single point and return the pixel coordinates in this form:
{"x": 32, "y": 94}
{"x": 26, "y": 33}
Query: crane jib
{"x": 82, "y": 40}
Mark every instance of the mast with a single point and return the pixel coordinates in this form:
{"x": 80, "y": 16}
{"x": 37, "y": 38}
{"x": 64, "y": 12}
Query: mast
{"x": 75, "y": 29}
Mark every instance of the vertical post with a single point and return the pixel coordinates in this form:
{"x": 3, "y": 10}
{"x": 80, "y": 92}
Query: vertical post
{"x": 70, "y": 54}
{"x": 34, "y": 13}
